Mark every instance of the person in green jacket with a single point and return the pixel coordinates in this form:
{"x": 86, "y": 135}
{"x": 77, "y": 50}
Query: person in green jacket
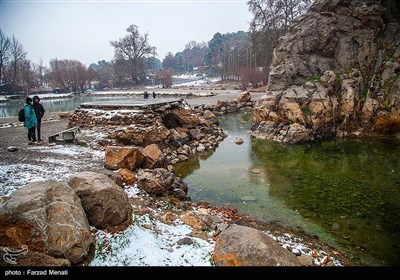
{"x": 30, "y": 120}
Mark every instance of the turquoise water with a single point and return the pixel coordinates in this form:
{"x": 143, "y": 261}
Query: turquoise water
{"x": 347, "y": 191}
{"x": 11, "y": 108}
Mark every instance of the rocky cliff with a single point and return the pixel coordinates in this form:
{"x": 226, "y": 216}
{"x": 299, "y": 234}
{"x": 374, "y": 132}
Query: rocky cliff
{"x": 335, "y": 73}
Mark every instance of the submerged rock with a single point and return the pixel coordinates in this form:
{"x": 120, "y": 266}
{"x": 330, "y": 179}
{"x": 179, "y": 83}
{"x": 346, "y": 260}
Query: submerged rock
{"x": 238, "y": 140}
{"x": 249, "y": 198}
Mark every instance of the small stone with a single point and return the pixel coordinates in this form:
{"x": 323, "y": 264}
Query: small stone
{"x": 147, "y": 226}
{"x": 255, "y": 170}
{"x": 249, "y": 198}
{"x": 168, "y": 218}
{"x": 343, "y": 217}
{"x": 12, "y": 149}
{"x": 216, "y": 219}
{"x": 238, "y": 140}
{"x": 297, "y": 252}
{"x": 185, "y": 241}
{"x": 201, "y": 148}
{"x": 223, "y": 226}
{"x": 306, "y": 260}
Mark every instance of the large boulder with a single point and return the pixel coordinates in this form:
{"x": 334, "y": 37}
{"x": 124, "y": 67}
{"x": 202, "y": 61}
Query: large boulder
{"x": 117, "y": 157}
{"x": 161, "y": 182}
{"x": 244, "y": 246}
{"x": 106, "y": 205}
{"x": 335, "y": 72}
{"x": 47, "y": 217}
{"x": 153, "y": 157}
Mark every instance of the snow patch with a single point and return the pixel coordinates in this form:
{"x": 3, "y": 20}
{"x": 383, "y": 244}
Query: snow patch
{"x": 157, "y": 246}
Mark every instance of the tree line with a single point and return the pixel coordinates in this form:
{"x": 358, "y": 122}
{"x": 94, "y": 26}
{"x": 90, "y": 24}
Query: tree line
{"x": 241, "y": 56}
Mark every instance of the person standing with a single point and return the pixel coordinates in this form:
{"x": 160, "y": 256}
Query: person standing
{"x": 39, "y": 111}
{"x": 30, "y": 120}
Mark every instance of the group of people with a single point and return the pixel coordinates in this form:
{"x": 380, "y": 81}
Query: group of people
{"x": 146, "y": 95}
{"x": 34, "y": 113}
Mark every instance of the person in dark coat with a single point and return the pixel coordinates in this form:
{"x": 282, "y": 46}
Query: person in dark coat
{"x": 39, "y": 110}
{"x": 30, "y": 120}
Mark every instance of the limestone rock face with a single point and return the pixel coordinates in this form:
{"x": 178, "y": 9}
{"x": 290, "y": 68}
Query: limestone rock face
{"x": 335, "y": 72}
{"x": 244, "y": 246}
{"x": 106, "y": 204}
{"x": 47, "y": 217}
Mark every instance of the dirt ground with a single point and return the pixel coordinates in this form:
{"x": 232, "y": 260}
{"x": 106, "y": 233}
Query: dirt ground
{"x": 31, "y": 163}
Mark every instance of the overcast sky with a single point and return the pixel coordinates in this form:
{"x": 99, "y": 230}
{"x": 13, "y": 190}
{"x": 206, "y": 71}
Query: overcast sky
{"x": 82, "y": 30}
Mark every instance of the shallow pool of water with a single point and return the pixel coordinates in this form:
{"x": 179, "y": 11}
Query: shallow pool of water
{"x": 345, "y": 190}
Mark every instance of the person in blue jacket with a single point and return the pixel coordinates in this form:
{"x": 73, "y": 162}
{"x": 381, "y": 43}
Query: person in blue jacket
{"x": 30, "y": 120}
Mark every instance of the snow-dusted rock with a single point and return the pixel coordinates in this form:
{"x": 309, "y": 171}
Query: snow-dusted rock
{"x": 48, "y": 217}
{"x": 244, "y": 246}
{"x": 106, "y": 205}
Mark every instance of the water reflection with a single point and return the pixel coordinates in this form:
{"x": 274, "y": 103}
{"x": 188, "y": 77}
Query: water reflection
{"x": 346, "y": 189}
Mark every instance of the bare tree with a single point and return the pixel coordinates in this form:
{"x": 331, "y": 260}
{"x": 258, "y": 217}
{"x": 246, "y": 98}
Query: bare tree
{"x": 28, "y": 77}
{"x": 271, "y": 20}
{"x": 165, "y": 77}
{"x": 70, "y": 75}
{"x": 133, "y": 47}
{"x": 17, "y": 56}
{"x": 5, "y": 46}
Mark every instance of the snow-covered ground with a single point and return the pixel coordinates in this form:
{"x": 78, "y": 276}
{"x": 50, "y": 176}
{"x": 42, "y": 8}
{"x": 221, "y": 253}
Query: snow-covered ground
{"x": 53, "y": 162}
{"x": 148, "y": 242}
{"x": 194, "y": 81}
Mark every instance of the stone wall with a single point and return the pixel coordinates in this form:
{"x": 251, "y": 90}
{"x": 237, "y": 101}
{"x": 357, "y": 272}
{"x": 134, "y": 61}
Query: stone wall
{"x": 335, "y": 73}
{"x": 170, "y": 123}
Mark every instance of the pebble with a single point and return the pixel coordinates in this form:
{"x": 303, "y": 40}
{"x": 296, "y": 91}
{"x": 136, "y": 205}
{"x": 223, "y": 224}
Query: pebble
{"x": 255, "y": 170}
{"x": 249, "y": 198}
{"x": 238, "y": 140}
{"x": 296, "y": 252}
{"x": 12, "y": 149}
{"x": 185, "y": 241}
